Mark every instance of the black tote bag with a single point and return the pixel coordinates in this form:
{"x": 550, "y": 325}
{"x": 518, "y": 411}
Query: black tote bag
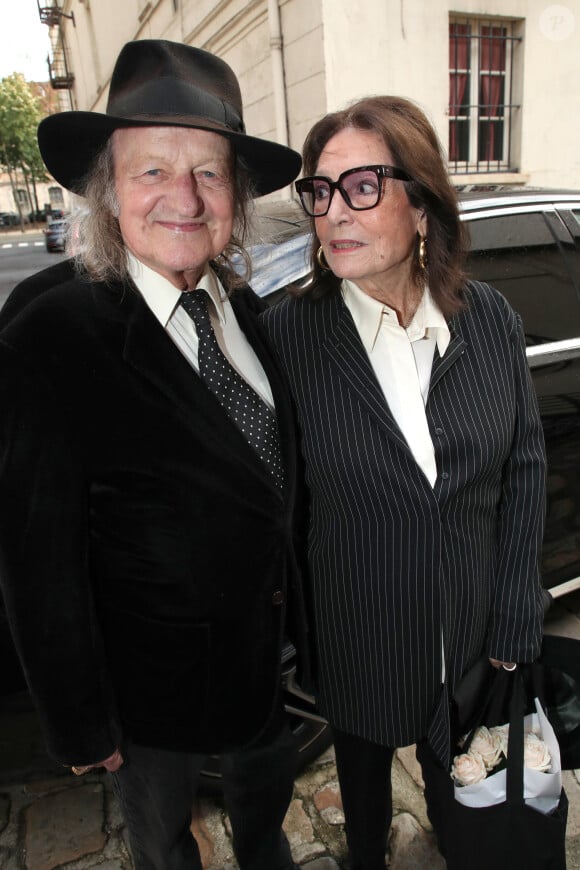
{"x": 556, "y": 675}
{"x": 511, "y": 835}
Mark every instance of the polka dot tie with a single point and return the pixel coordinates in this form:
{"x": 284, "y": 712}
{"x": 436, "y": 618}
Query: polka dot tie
{"x": 248, "y": 411}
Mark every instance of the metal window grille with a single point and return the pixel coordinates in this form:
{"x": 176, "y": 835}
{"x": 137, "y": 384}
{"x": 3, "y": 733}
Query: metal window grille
{"x": 481, "y": 111}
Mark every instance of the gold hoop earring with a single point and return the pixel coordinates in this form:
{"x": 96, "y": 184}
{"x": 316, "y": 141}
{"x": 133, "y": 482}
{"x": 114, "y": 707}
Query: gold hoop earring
{"x": 321, "y": 260}
{"x": 423, "y": 257}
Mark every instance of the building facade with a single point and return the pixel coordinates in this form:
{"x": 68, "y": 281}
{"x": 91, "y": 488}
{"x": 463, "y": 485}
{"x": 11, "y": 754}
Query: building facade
{"x": 21, "y": 199}
{"x": 499, "y": 79}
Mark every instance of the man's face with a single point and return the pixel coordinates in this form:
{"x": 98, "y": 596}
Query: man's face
{"x": 175, "y": 193}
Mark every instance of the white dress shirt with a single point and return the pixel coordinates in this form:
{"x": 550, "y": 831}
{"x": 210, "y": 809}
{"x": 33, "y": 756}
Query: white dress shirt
{"x": 402, "y": 360}
{"x": 163, "y": 297}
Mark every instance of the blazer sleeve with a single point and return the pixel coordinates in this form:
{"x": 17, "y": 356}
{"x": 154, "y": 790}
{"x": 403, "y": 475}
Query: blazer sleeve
{"x": 44, "y": 568}
{"x": 516, "y": 624}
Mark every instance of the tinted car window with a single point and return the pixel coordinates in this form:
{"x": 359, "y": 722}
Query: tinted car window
{"x": 527, "y": 261}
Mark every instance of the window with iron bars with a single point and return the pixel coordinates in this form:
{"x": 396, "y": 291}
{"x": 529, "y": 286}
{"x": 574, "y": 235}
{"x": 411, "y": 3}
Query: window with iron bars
{"x": 482, "y": 55}
{"x": 22, "y": 197}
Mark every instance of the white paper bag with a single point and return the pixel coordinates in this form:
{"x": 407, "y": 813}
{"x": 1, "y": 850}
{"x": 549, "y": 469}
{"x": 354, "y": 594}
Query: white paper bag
{"x": 541, "y": 790}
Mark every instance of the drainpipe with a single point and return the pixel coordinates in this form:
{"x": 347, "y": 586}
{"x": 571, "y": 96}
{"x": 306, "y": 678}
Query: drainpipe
{"x": 278, "y": 76}
{"x": 278, "y": 71}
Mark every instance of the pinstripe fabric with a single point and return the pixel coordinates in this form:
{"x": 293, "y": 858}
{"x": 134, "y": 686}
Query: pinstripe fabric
{"x": 394, "y": 562}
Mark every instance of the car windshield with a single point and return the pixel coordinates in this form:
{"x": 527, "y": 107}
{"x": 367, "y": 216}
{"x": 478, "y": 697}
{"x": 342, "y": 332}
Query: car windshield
{"x": 279, "y": 247}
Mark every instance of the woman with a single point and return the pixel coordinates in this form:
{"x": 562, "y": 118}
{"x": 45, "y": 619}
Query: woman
{"x": 423, "y": 449}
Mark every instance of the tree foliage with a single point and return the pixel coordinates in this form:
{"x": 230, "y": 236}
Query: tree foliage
{"x": 20, "y": 113}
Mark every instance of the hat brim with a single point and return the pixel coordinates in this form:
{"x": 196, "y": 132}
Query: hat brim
{"x": 70, "y": 141}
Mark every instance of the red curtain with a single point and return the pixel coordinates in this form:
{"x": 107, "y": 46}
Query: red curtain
{"x": 492, "y": 62}
{"x": 459, "y": 56}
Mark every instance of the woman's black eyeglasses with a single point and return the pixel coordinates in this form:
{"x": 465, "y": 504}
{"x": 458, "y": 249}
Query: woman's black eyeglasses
{"x": 360, "y": 188}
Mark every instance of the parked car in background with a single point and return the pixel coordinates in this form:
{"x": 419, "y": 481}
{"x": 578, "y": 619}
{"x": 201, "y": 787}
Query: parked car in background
{"x": 9, "y": 219}
{"x": 55, "y": 235}
{"x": 37, "y": 216}
{"x": 526, "y": 243}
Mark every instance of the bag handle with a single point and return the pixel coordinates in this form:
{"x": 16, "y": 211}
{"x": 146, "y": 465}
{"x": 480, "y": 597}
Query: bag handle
{"x": 495, "y": 706}
{"x": 515, "y": 758}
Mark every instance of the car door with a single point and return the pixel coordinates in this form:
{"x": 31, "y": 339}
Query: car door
{"x": 531, "y": 254}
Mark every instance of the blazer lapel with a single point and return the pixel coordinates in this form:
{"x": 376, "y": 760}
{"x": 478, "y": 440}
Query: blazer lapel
{"x": 344, "y": 346}
{"x": 151, "y": 352}
{"x": 443, "y": 364}
{"x": 248, "y": 322}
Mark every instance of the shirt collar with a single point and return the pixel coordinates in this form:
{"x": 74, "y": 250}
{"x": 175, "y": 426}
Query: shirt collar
{"x": 163, "y": 297}
{"x": 429, "y": 322}
{"x": 367, "y": 313}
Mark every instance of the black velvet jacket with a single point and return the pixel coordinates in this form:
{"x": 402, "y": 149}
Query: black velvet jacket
{"x": 146, "y": 554}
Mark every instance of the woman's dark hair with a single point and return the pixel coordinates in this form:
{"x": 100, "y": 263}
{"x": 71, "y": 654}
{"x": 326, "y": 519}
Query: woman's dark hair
{"x": 414, "y": 147}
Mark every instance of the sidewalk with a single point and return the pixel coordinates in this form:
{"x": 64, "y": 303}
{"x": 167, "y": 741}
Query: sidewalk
{"x": 73, "y": 823}
{"x": 51, "y": 819}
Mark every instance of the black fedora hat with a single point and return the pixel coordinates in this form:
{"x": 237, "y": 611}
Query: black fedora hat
{"x": 161, "y": 83}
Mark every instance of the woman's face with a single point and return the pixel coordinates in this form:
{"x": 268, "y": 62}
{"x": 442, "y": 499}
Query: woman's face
{"x": 373, "y": 248}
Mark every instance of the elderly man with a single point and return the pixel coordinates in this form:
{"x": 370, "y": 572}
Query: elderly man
{"x": 147, "y": 468}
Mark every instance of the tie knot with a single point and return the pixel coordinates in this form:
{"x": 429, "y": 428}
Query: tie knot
{"x": 195, "y": 303}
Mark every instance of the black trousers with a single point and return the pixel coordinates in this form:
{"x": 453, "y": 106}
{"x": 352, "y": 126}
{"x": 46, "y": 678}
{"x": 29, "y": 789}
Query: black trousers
{"x": 364, "y": 775}
{"x": 156, "y": 788}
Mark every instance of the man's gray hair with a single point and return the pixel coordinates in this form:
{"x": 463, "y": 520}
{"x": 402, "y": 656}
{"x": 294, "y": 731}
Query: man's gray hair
{"x": 95, "y": 239}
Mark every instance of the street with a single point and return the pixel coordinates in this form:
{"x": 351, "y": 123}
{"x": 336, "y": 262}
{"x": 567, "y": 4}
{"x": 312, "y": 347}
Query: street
{"x": 21, "y": 255}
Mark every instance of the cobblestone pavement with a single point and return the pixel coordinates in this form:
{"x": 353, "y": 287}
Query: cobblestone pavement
{"x": 71, "y": 822}
{"x": 51, "y": 819}
{"x": 66, "y": 822}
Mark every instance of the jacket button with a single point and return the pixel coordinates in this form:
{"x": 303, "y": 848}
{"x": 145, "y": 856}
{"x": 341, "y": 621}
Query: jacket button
{"x": 439, "y": 430}
{"x": 444, "y": 475}
{"x": 278, "y": 597}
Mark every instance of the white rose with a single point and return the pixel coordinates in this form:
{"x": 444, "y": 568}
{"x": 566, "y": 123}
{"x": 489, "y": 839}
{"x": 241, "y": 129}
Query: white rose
{"x": 501, "y": 734}
{"x": 488, "y": 745}
{"x": 468, "y": 769}
{"x": 536, "y": 753}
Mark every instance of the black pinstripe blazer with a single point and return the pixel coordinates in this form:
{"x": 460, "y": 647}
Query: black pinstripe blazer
{"x": 398, "y": 567}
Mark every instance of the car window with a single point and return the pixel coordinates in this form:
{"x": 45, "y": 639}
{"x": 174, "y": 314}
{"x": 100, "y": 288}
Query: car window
{"x": 523, "y": 258}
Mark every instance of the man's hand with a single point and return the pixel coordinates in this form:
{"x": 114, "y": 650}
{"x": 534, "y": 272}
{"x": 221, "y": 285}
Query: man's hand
{"x": 112, "y": 763}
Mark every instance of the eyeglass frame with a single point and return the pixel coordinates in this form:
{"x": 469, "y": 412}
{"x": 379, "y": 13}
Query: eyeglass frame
{"x": 382, "y": 171}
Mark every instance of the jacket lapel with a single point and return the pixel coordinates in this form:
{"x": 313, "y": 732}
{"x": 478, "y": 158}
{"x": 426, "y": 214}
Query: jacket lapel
{"x": 346, "y": 350}
{"x": 149, "y": 350}
{"x": 246, "y": 307}
{"x": 441, "y": 365}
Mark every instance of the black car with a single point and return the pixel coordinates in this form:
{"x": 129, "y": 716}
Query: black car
{"x": 527, "y": 245}
{"x": 9, "y": 219}
{"x": 55, "y": 235}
